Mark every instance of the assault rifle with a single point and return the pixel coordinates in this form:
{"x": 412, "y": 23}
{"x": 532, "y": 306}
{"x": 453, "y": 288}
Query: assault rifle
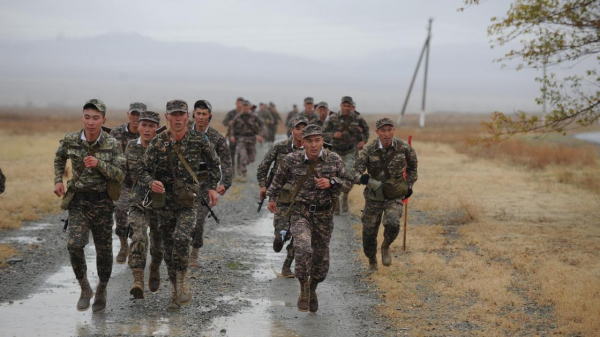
{"x": 205, "y": 204}
{"x": 268, "y": 183}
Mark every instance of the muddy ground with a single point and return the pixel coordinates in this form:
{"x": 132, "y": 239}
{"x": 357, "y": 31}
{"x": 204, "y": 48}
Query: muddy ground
{"x": 238, "y": 290}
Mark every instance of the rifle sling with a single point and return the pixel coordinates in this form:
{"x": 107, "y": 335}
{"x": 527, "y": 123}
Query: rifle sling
{"x": 183, "y": 161}
{"x": 79, "y": 170}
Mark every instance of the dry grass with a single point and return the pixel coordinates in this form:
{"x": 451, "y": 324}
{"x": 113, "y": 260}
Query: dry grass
{"x": 6, "y": 252}
{"x": 493, "y": 249}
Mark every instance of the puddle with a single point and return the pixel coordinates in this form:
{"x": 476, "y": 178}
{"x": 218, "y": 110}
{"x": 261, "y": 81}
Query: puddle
{"x": 592, "y": 137}
{"x": 37, "y": 226}
{"x": 27, "y": 240}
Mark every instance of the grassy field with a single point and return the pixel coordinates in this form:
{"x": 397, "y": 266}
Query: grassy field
{"x": 501, "y": 240}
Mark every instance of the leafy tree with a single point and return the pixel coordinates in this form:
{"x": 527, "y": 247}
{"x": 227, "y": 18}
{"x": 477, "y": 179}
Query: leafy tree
{"x": 555, "y": 32}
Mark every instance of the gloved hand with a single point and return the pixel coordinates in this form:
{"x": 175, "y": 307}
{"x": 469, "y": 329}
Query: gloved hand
{"x": 364, "y": 179}
{"x": 408, "y": 194}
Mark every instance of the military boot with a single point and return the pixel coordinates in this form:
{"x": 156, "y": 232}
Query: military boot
{"x": 86, "y": 294}
{"x": 372, "y": 264}
{"x": 173, "y": 301}
{"x": 386, "y": 257}
{"x": 313, "y": 301}
{"x": 277, "y": 243}
{"x": 122, "y": 256}
{"x": 183, "y": 289}
{"x": 154, "y": 277}
{"x": 303, "y": 299}
{"x": 286, "y": 271}
{"x": 100, "y": 299}
{"x": 137, "y": 290}
{"x": 193, "y": 262}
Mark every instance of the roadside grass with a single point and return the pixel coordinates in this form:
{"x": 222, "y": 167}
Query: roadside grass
{"x": 6, "y": 252}
{"x": 493, "y": 248}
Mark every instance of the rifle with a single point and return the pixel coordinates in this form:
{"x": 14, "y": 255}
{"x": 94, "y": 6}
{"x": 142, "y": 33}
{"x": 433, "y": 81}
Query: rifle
{"x": 205, "y": 204}
{"x": 66, "y": 221}
{"x": 161, "y": 129}
{"x": 268, "y": 183}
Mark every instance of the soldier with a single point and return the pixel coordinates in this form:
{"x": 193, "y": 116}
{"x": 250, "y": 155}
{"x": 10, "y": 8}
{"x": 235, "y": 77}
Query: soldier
{"x": 202, "y": 118}
{"x": 98, "y": 166}
{"x": 291, "y": 114}
{"x": 316, "y": 175}
{"x": 247, "y": 128}
{"x": 323, "y": 112}
{"x": 267, "y": 119}
{"x": 346, "y": 131}
{"x": 2, "y": 182}
{"x": 276, "y": 120}
{"x": 141, "y": 213}
{"x": 171, "y": 169}
{"x": 125, "y": 133}
{"x": 308, "y": 112}
{"x": 385, "y": 159}
{"x": 275, "y": 157}
{"x": 228, "y": 121}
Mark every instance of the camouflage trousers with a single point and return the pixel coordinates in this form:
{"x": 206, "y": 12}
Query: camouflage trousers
{"x": 390, "y": 211}
{"x": 280, "y": 223}
{"x": 121, "y": 209}
{"x": 232, "y": 147}
{"x": 176, "y": 228}
{"x": 97, "y": 217}
{"x": 139, "y": 221}
{"x": 312, "y": 233}
{"x": 349, "y": 160}
{"x": 246, "y": 153}
{"x": 202, "y": 212}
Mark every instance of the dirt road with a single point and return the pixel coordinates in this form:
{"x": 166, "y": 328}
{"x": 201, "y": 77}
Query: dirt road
{"x": 237, "y": 291}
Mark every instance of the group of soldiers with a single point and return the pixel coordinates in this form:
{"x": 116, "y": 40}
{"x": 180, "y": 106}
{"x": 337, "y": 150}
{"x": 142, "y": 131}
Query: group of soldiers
{"x": 166, "y": 179}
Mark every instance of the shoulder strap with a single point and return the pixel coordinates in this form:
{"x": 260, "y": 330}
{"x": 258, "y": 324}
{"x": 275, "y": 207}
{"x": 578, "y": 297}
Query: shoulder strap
{"x": 81, "y": 167}
{"x": 185, "y": 164}
{"x": 387, "y": 161}
{"x": 309, "y": 172}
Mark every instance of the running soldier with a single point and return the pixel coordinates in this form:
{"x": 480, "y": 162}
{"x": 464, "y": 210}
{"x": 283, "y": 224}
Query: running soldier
{"x": 385, "y": 159}
{"x": 276, "y": 120}
{"x": 228, "y": 122}
{"x": 316, "y": 175}
{"x": 323, "y": 112}
{"x": 308, "y": 112}
{"x": 98, "y": 167}
{"x": 141, "y": 213}
{"x": 268, "y": 120}
{"x": 275, "y": 157}
{"x": 347, "y": 132}
{"x": 171, "y": 167}
{"x": 202, "y": 117}
{"x": 125, "y": 133}
{"x": 291, "y": 114}
{"x": 246, "y": 130}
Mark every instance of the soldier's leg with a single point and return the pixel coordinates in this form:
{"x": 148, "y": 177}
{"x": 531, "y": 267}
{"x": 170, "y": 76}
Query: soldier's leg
{"x": 242, "y": 151}
{"x": 279, "y": 224}
{"x": 232, "y": 147}
{"x": 186, "y": 220}
{"x": 156, "y": 250}
{"x": 121, "y": 209}
{"x": 79, "y": 234}
{"x": 238, "y": 152}
{"x": 349, "y": 160}
{"x": 322, "y": 227}
{"x": 169, "y": 222}
{"x": 251, "y": 152}
{"x": 138, "y": 248}
{"x": 101, "y": 226}
{"x": 391, "y": 220}
{"x": 198, "y": 234}
{"x": 371, "y": 219}
{"x": 301, "y": 230}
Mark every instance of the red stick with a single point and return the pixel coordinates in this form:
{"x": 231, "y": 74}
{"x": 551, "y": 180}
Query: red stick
{"x": 405, "y": 202}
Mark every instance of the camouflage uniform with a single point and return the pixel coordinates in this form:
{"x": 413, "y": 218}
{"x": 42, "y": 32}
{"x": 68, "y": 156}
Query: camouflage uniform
{"x": 276, "y": 119}
{"x": 268, "y": 120}
{"x": 245, "y": 128}
{"x": 390, "y": 210}
{"x": 2, "y": 182}
{"x": 217, "y": 141}
{"x": 91, "y": 209}
{"x": 177, "y": 222}
{"x": 140, "y": 217}
{"x": 313, "y": 118}
{"x": 228, "y": 118}
{"x": 351, "y": 136}
{"x": 311, "y": 230}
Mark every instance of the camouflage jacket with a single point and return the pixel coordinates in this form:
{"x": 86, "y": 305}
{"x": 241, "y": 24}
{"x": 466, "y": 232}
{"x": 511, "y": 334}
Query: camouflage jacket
{"x": 295, "y": 165}
{"x": 218, "y": 143}
{"x": 290, "y": 116}
{"x": 312, "y": 119}
{"x": 2, "y": 182}
{"x": 247, "y": 126}
{"x": 266, "y": 117}
{"x": 274, "y": 156}
{"x": 134, "y": 153}
{"x": 123, "y": 135}
{"x": 276, "y": 117}
{"x": 368, "y": 158}
{"x": 194, "y": 147}
{"x": 351, "y": 134}
{"x": 111, "y": 161}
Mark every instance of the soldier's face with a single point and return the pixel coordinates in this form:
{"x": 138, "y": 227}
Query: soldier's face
{"x": 246, "y": 109}
{"x": 262, "y": 106}
{"x": 238, "y": 104}
{"x": 177, "y": 120}
{"x": 346, "y": 108}
{"x": 147, "y": 130}
{"x": 323, "y": 111}
{"x": 313, "y": 145}
{"x": 134, "y": 118}
{"x": 297, "y": 132}
{"x": 93, "y": 120}
{"x": 386, "y": 135}
{"x": 202, "y": 117}
{"x": 309, "y": 107}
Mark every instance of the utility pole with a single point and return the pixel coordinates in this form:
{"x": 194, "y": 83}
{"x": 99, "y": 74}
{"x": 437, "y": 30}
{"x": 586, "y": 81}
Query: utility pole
{"x": 424, "y": 51}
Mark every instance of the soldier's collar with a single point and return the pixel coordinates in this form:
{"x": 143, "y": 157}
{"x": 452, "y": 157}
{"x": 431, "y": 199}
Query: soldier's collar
{"x": 320, "y": 155}
{"x": 97, "y": 141}
{"x": 381, "y": 145}
{"x": 139, "y": 141}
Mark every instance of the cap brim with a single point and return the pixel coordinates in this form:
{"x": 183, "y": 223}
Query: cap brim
{"x": 390, "y": 124}
{"x": 170, "y": 111}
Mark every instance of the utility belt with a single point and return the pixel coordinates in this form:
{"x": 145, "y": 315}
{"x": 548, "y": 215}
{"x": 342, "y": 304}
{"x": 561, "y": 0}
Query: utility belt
{"x": 91, "y": 196}
{"x": 312, "y": 208}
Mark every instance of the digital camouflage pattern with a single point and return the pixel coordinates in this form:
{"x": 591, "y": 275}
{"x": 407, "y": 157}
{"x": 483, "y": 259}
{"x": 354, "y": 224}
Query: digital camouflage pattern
{"x": 201, "y": 213}
{"x": 390, "y": 210}
{"x": 313, "y": 118}
{"x": 268, "y": 120}
{"x": 276, "y": 119}
{"x": 97, "y": 103}
{"x": 273, "y": 157}
{"x": 355, "y": 130}
{"x": 177, "y": 224}
{"x": 2, "y": 182}
{"x": 245, "y": 128}
{"x": 124, "y": 136}
{"x": 229, "y": 118}
{"x": 137, "y": 106}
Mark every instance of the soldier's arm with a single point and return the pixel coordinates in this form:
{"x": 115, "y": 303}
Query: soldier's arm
{"x": 360, "y": 165}
{"x": 227, "y": 119}
{"x": 280, "y": 179}
{"x": 262, "y": 129}
{"x": 411, "y": 166}
{"x": 263, "y": 168}
{"x": 212, "y": 161}
{"x": 345, "y": 183}
{"x": 148, "y": 165}
{"x": 226, "y": 166}
{"x": 328, "y": 130}
{"x": 60, "y": 162}
{"x": 365, "y": 130}
{"x": 116, "y": 169}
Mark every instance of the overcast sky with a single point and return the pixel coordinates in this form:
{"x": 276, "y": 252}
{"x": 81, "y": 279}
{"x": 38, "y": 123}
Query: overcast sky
{"x": 335, "y": 32}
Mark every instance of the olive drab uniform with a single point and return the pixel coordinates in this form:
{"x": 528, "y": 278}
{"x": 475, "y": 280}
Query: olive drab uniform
{"x": 91, "y": 208}
{"x": 354, "y": 129}
{"x": 245, "y": 128}
{"x": 378, "y": 207}
{"x": 217, "y": 141}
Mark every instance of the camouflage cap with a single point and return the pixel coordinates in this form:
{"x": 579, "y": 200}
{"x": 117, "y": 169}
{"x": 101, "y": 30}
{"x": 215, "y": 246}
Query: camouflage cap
{"x": 137, "y": 106}
{"x": 347, "y": 99}
{"x": 96, "y": 103}
{"x": 383, "y": 121}
{"x": 322, "y": 104}
{"x": 271, "y": 104}
{"x": 240, "y": 99}
{"x": 299, "y": 120}
{"x": 203, "y": 104}
{"x": 177, "y": 105}
{"x": 246, "y": 102}
{"x": 309, "y": 100}
{"x": 150, "y": 116}
{"x": 312, "y": 130}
